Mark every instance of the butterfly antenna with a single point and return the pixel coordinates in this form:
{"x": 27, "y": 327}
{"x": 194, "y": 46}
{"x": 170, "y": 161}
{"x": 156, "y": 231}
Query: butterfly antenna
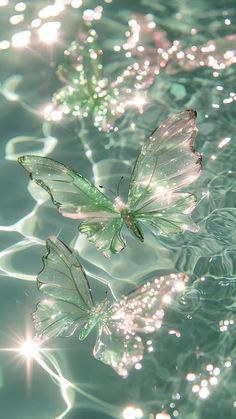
{"x": 205, "y": 195}
{"x": 109, "y": 190}
{"x": 107, "y": 289}
{"x": 118, "y": 186}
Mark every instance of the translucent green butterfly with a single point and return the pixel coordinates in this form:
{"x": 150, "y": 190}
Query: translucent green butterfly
{"x": 69, "y": 309}
{"x": 88, "y": 91}
{"x": 167, "y": 162}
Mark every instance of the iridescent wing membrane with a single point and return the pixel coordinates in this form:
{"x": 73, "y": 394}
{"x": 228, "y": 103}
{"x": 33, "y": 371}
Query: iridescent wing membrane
{"x": 65, "y": 284}
{"x": 166, "y": 164}
{"x": 69, "y": 309}
{"x": 77, "y": 198}
{"x": 142, "y": 311}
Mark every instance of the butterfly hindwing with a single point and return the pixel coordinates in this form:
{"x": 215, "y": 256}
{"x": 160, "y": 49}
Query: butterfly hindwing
{"x": 68, "y": 296}
{"x": 121, "y": 349}
{"x": 106, "y": 234}
{"x": 142, "y": 311}
{"x": 166, "y": 164}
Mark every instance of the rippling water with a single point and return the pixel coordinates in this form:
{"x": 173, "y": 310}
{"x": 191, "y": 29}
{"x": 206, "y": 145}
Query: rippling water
{"x": 190, "y": 374}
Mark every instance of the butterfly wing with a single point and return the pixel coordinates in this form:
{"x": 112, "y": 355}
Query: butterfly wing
{"x": 68, "y": 296}
{"x": 120, "y": 350}
{"x": 167, "y": 163}
{"x": 81, "y": 73}
{"x": 142, "y": 311}
{"x": 75, "y": 197}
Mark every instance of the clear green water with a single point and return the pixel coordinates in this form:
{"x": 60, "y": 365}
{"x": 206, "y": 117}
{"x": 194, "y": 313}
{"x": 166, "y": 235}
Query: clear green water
{"x": 196, "y": 341}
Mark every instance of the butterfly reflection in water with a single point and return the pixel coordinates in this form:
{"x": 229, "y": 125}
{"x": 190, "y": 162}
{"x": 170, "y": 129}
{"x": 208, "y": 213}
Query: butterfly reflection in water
{"x": 166, "y": 164}
{"x": 69, "y": 309}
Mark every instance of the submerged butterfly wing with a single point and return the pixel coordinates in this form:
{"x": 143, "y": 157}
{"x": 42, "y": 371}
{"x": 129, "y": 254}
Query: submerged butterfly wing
{"x": 142, "y": 311}
{"x": 66, "y": 287}
{"x": 167, "y": 163}
{"x": 77, "y": 198}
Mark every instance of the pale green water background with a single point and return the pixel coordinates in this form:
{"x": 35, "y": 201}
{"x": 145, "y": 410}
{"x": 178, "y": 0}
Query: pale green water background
{"x": 198, "y": 338}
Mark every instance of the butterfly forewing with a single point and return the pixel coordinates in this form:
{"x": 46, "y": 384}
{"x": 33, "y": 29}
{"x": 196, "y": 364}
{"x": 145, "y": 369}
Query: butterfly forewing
{"x": 74, "y": 196}
{"x": 167, "y": 161}
{"x": 65, "y": 284}
{"x": 77, "y": 198}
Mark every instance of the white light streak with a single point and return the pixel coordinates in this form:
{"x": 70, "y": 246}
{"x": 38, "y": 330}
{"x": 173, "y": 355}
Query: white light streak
{"x": 224, "y": 142}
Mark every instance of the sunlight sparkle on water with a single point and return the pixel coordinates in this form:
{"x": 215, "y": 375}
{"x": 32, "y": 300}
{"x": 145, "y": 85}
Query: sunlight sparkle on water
{"x": 21, "y": 39}
{"x": 14, "y": 20}
{"x": 20, "y": 7}
{"x": 29, "y": 349}
{"x": 4, "y": 3}
{"x": 48, "y": 32}
{"x": 162, "y": 415}
{"x": 132, "y": 412}
{"x": 4, "y": 44}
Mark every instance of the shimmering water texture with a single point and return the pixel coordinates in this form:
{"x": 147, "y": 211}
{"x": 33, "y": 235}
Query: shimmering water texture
{"x": 70, "y": 309}
{"x": 84, "y": 83}
{"x": 167, "y": 162}
{"x": 89, "y": 92}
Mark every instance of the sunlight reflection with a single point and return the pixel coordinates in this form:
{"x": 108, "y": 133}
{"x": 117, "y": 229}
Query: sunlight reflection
{"x": 21, "y": 39}
{"x": 132, "y": 412}
{"x": 48, "y": 32}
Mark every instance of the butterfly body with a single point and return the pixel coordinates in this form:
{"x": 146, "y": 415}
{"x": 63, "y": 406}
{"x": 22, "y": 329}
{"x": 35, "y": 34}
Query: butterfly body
{"x": 97, "y": 317}
{"x": 166, "y": 164}
{"x": 128, "y": 218}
